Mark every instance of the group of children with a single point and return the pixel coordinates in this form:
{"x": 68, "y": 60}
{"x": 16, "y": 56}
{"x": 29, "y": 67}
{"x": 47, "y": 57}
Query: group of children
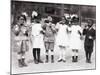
{"x": 67, "y": 33}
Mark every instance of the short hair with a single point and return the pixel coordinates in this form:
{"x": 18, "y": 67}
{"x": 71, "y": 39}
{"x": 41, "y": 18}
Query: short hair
{"x": 75, "y": 19}
{"x": 92, "y": 21}
{"x": 63, "y": 17}
{"x": 66, "y": 20}
{"x": 24, "y": 17}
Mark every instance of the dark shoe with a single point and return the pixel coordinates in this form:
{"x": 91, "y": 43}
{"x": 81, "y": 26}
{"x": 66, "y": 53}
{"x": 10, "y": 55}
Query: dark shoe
{"x": 46, "y": 61}
{"x": 76, "y": 59}
{"x": 52, "y": 61}
{"x": 23, "y": 63}
{"x": 40, "y": 61}
{"x": 60, "y": 60}
{"x": 64, "y": 60}
{"x": 20, "y": 63}
{"x": 73, "y": 59}
{"x": 36, "y": 62}
{"x": 89, "y": 61}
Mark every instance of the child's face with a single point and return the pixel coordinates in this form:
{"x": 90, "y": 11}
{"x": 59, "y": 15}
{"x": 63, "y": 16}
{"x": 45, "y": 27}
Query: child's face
{"x": 63, "y": 20}
{"x": 21, "y": 20}
{"x": 50, "y": 18}
{"x": 90, "y": 23}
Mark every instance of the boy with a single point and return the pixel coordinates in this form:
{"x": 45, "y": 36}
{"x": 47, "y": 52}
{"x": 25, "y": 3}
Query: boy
{"x": 49, "y": 37}
{"x": 90, "y": 36}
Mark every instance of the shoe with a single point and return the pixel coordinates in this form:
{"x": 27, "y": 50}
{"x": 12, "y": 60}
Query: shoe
{"x": 40, "y": 61}
{"x": 52, "y": 61}
{"x": 20, "y": 63}
{"x": 73, "y": 59}
{"x": 64, "y": 60}
{"x": 86, "y": 60}
{"x": 60, "y": 60}
{"x": 76, "y": 59}
{"x": 36, "y": 62}
{"x": 89, "y": 61}
{"x": 23, "y": 63}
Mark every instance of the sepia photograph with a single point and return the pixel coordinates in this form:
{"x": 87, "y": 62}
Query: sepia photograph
{"x": 52, "y": 37}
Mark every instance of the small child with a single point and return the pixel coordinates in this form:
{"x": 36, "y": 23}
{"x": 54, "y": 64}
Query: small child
{"x": 90, "y": 35}
{"x": 49, "y": 38}
{"x": 21, "y": 38}
{"x": 62, "y": 39}
{"x": 75, "y": 41}
{"x": 37, "y": 37}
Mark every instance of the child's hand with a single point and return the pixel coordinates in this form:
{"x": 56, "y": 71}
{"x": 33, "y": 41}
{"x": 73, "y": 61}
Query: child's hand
{"x": 42, "y": 32}
{"x": 90, "y": 37}
{"x": 81, "y": 37}
{"x": 79, "y": 32}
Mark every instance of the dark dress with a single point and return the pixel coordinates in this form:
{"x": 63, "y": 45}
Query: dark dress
{"x": 88, "y": 44}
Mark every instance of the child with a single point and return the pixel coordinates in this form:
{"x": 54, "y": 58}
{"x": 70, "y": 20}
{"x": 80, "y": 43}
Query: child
{"x": 75, "y": 41}
{"x": 62, "y": 39}
{"x": 89, "y": 31}
{"x": 21, "y": 38}
{"x": 49, "y": 38}
{"x": 36, "y": 38}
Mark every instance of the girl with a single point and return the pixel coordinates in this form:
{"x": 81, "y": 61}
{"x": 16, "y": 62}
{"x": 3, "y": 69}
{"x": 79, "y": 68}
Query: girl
{"x": 75, "y": 42}
{"x": 37, "y": 38}
{"x": 62, "y": 39}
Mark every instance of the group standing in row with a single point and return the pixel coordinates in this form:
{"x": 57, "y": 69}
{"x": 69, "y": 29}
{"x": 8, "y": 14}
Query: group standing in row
{"x": 66, "y": 34}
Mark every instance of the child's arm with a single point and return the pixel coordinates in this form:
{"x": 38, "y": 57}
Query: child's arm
{"x": 93, "y": 34}
{"x": 80, "y": 31}
{"x": 69, "y": 29}
{"x": 16, "y": 30}
{"x": 84, "y": 31}
{"x": 57, "y": 26}
{"x": 43, "y": 24}
{"x": 53, "y": 28}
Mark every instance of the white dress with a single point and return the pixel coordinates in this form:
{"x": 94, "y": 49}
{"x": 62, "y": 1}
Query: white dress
{"x": 75, "y": 42}
{"x": 37, "y": 38}
{"x": 62, "y": 35}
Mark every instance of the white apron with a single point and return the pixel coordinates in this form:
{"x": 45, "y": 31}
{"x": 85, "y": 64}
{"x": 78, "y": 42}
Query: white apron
{"x": 75, "y": 42}
{"x": 62, "y": 35}
{"x": 37, "y": 38}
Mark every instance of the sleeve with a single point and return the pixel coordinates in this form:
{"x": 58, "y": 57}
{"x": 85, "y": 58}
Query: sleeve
{"x": 41, "y": 30}
{"x": 84, "y": 31}
{"x": 27, "y": 31}
{"x": 32, "y": 33}
{"x": 69, "y": 29}
{"x": 80, "y": 29}
{"x": 53, "y": 28}
{"x": 57, "y": 26}
{"x": 94, "y": 34}
{"x": 16, "y": 30}
{"x": 30, "y": 30}
{"x": 43, "y": 26}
